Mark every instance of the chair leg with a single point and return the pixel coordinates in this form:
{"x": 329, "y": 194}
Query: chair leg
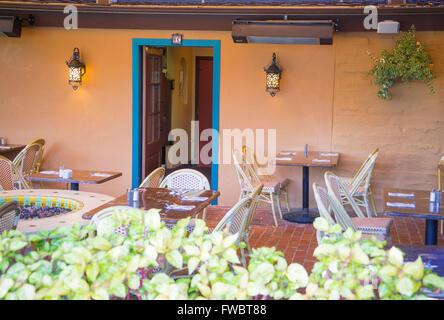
{"x": 247, "y": 242}
{"x": 389, "y": 239}
{"x": 204, "y": 214}
{"x": 243, "y": 259}
{"x": 286, "y": 199}
{"x": 442, "y": 227}
{"x": 372, "y": 202}
{"x": 367, "y": 205}
{"x": 272, "y": 208}
{"x": 278, "y": 198}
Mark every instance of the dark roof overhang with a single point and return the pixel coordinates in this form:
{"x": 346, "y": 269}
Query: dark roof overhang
{"x": 218, "y": 18}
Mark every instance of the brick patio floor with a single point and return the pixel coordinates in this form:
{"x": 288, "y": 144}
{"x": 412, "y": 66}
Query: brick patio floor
{"x": 298, "y": 241}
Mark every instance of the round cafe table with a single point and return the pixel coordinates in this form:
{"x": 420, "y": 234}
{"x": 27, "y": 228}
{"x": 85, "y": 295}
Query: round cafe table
{"x": 300, "y": 159}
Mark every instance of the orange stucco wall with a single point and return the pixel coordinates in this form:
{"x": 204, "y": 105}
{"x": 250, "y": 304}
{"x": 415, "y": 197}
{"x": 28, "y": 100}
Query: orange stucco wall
{"x": 325, "y": 100}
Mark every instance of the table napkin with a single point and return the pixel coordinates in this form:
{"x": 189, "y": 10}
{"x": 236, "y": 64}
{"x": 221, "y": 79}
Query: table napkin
{"x": 328, "y": 154}
{"x": 179, "y": 207}
{"x": 401, "y": 205}
{"x": 98, "y": 174}
{"x": 289, "y": 153}
{"x": 194, "y": 198}
{"x": 402, "y": 195}
{"x": 285, "y": 158}
{"x": 49, "y": 172}
{"x": 320, "y": 160}
{"x": 179, "y": 192}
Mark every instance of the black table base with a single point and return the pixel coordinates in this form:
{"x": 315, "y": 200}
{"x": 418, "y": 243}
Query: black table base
{"x": 302, "y": 216}
{"x": 431, "y": 232}
{"x": 74, "y": 186}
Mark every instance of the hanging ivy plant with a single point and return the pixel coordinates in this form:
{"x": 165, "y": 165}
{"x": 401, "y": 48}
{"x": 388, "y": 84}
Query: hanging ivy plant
{"x": 407, "y": 60}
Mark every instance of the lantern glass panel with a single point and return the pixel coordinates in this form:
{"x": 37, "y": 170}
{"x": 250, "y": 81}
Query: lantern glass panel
{"x": 273, "y": 80}
{"x": 75, "y": 74}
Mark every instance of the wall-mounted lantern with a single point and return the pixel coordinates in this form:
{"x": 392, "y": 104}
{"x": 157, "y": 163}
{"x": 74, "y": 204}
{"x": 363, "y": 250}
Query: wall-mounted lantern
{"x": 76, "y": 69}
{"x": 176, "y": 39}
{"x": 273, "y": 76}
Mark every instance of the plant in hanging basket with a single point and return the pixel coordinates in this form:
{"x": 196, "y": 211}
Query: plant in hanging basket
{"x": 406, "y": 61}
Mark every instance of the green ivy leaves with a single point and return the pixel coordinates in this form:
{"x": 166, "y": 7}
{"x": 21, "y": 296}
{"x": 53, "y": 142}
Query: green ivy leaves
{"x": 407, "y": 60}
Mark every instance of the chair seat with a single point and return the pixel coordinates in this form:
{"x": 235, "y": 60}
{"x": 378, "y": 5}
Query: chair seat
{"x": 283, "y": 183}
{"x": 269, "y": 185}
{"x": 373, "y": 225}
{"x": 378, "y": 236}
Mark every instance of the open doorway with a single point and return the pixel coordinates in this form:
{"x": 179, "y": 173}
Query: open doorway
{"x": 177, "y": 89}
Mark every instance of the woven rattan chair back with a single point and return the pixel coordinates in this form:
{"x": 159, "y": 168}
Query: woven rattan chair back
{"x": 27, "y": 159}
{"x": 340, "y": 191}
{"x": 154, "y": 179}
{"x": 251, "y": 213}
{"x": 321, "y": 198}
{"x": 104, "y": 221}
{"x": 42, "y": 144}
{"x": 235, "y": 218}
{"x": 335, "y": 204}
{"x": 251, "y": 164}
{"x": 364, "y": 175}
{"x": 10, "y": 176}
{"x": 9, "y": 216}
{"x": 244, "y": 179}
{"x": 187, "y": 179}
{"x": 375, "y": 151}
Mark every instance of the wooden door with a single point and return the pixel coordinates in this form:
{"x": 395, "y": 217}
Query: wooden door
{"x": 152, "y": 111}
{"x": 165, "y": 108}
{"x": 204, "y": 97}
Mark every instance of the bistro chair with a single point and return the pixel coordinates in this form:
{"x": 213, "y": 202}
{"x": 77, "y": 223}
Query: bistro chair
{"x": 187, "y": 179}
{"x": 9, "y": 216}
{"x": 322, "y": 201}
{"x": 369, "y": 225}
{"x": 329, "y": 206}
{"x": 441, "y": 184}
{"x": 359, "y": 185}
{"x": 10, "y": 175}
{"x": 253, "y": 169}
{"x": 39, "y": 161}
{"x": 26, "y": 161}
{"x": 104, "y": 221}
{"x": 246, "y": 230}
{"x": 105, "y": 225}
{"x": 153, "y": 179}
{"x": 270, "y": 190}
{"x": 235, "y": 222}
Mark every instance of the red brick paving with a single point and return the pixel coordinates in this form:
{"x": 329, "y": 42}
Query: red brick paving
{"x": 298, "y": 241}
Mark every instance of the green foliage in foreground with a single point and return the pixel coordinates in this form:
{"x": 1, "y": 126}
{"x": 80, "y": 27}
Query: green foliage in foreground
{"x": 76, "y": 263}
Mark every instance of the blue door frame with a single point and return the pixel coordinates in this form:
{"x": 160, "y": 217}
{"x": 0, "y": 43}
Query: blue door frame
{"x": 137, "y": 45}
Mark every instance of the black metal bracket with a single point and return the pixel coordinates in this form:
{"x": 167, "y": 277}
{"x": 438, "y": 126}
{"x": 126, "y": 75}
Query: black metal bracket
{"x": 30, "y": 20}
{"x": 336, "y": 24}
